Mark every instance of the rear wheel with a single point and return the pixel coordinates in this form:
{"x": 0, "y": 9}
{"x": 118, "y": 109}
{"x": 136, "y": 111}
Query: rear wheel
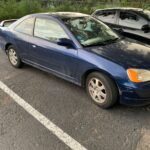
{"x": 101, "y": 89}
{"x": 14, "y": 57}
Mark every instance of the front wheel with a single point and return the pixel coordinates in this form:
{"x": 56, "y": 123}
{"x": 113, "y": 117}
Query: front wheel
{"x": 13, "y": 57}
{"x": 101, "y": 89}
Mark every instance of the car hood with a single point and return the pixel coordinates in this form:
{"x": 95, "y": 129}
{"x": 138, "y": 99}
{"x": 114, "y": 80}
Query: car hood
{"x": 128, "y": 54}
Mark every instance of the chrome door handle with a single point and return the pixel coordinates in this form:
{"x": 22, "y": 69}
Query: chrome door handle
{"x": 34, "y": 46}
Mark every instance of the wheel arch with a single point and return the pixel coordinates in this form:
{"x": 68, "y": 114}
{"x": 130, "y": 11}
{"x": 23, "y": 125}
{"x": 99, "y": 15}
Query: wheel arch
{"x": 88, "y": 72}
{"x": 6, "y": 46}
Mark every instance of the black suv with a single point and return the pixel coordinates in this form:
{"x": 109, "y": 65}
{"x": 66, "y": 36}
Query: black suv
{"x": 130, "y": 22}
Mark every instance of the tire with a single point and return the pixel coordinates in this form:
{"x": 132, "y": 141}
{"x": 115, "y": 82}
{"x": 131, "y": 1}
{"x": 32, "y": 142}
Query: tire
{"x": 102, "y": 90}
{"x": 13, "y": 57}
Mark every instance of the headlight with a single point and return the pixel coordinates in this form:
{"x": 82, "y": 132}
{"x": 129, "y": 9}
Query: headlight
{"x": 138, "y": 75}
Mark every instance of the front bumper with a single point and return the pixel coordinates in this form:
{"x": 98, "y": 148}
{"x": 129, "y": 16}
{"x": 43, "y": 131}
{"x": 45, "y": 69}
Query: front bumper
{"x": 135, "y": 94}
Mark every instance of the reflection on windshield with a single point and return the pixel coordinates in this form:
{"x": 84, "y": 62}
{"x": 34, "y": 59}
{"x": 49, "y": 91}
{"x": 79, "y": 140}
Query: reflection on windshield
{"x": 90, "y": 32}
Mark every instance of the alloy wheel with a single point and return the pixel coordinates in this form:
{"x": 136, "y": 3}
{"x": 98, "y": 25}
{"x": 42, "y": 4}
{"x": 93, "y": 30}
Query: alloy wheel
{"x": 13, "y": 57}
{"x": 97, "y": 90}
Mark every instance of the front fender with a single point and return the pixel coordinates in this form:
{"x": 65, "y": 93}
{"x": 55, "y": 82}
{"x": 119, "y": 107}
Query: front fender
{"x": 90, "y": 62}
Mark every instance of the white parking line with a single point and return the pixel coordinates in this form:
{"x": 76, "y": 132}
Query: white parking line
{"x": 144, "y": 142}
{"x": 64, "y": 137}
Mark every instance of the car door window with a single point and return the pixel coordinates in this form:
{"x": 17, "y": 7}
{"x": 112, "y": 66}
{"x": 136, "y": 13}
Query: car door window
{"x": 26, "y": 26}
{"x": 131, "y": 20}
{"x": 107, "y": 16}
{"x": 49, "y": 30}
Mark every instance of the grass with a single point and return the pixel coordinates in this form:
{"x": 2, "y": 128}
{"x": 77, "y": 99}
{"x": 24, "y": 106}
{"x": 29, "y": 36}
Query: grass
{"x": 12, "y": 9}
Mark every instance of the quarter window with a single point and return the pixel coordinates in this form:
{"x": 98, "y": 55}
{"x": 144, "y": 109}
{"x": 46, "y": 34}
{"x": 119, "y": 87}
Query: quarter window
{"x": 106, "y": 16}
{"x": 131, "y": 20}
{"x": 26, "y": 26}
{"x": 49, "y": 30}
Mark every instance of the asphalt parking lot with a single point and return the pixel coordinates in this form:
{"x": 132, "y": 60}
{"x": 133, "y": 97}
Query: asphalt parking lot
{"x": 68, "y": 107}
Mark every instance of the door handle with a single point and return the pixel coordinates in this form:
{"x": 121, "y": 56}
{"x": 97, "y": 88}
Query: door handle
{"x": 34, "y": 46}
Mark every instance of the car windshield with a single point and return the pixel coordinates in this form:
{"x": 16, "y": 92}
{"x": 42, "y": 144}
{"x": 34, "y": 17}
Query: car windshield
{"x": 147, "y": 13}
{"x": 90, "y": 32}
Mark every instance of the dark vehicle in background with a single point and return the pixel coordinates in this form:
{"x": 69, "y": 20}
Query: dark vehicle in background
{"x": 6, "y": 23}
{"x": 130, "y": 22}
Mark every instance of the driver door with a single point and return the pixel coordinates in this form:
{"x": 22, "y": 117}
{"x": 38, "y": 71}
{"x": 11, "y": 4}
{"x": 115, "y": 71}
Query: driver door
{"x": 45, "y": 51}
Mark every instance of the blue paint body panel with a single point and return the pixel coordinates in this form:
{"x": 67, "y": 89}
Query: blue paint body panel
{"x": 73, "y": 64}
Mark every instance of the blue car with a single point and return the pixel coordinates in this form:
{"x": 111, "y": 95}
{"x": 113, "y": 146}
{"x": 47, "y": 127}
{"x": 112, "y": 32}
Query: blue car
{"x": 84, "y": 51}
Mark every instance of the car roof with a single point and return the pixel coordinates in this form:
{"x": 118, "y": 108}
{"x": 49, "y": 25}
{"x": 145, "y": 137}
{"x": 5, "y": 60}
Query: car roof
{"x": 122, "y": 8}
{"x": 138, "y": 11}
{"x": 62, "y": 15}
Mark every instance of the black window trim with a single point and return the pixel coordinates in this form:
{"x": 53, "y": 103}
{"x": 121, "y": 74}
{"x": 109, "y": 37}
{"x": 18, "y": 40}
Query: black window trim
{"x": 128, "y": 11}
{"x": 104, "y": 10}
{"x": 108, "y": 10}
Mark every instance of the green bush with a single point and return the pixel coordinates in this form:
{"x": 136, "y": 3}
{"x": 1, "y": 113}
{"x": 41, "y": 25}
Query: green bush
{"x": 12, "y": 9}
{"x": 17, "y": 8}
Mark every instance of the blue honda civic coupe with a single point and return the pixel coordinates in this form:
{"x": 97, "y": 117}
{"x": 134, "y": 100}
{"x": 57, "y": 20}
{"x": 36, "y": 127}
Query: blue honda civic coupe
{"x": 82, "y": 50}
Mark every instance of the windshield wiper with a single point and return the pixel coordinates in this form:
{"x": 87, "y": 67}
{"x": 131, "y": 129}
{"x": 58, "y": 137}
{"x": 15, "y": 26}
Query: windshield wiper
{"x": 96, "y": 44}
{"x": 111, "y": 40}
{"x": 103, "y": 43}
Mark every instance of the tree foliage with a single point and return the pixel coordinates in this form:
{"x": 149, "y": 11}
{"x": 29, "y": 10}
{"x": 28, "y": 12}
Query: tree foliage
{"x": 17, "y": 8}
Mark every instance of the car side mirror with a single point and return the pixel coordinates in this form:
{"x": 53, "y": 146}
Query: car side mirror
{"x": 66, "y": 42}
{"x": 146, "y": 28}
